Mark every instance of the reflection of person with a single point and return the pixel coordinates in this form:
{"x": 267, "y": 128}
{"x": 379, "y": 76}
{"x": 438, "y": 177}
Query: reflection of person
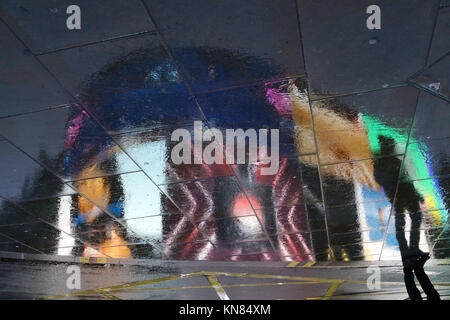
{"x": 405, "y": 199}
{"x": 144, "y": 90}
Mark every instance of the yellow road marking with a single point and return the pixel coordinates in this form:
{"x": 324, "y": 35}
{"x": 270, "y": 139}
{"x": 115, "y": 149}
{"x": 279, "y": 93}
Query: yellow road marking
{"x": 358, "y": 295}
{"x": 293, "y": 264}
{"x": 223, "y": 285}
{"x": 351, "y": 267}
{"x": 268, "y": 276}
{"x": 110, "y": 296}
{"x": 312, "y": 264}
{"x": 332, "y": 290}
{"x": 215, "y": 283}
{"x": 84, "y": 259}
{"x": 127, "y": 285}
{"x": 101, "y": 260}
{"x": 164, "y": 288}
{"x": 308, "y": 264}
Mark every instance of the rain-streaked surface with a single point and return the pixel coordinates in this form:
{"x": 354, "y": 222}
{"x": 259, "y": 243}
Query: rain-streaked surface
{"x": 206, "y": 280}
{"x": 86, "y": 120}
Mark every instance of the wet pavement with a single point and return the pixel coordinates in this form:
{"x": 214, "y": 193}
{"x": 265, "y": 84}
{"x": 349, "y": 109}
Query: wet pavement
{"x": 164, "y": 280}
{"x": 87, "y": 117}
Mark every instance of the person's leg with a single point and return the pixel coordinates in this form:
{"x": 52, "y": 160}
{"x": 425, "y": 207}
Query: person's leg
{"x": 416, "y": 221}
{"x": 413, "y": 292}
{"x": 425, "y": 283}
{"x": 400, "y": 233}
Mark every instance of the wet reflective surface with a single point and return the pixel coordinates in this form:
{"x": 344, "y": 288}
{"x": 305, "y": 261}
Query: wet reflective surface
{"x": 187, "y": 280}
{"x": 86, "y": 124}
{"x": 359, "y": 58}
{"x": 435, "y": 79}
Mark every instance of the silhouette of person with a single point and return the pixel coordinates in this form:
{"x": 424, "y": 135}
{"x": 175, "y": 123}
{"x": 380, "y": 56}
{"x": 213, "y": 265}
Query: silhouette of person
{"x": 406, "y": 199}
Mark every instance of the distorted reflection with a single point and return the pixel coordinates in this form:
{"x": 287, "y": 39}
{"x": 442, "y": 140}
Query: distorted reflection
{"x": 406, "y": 200}
{"x": 340, "y": 191}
